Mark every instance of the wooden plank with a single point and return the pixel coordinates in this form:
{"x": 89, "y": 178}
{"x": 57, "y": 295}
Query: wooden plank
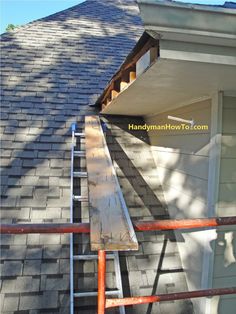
{"x": 114, "y": 94}
{"x": 124, "y": 80}
{"x": 110, "y": 224}
{"x": 132, "y": 76}
{"x": 123, "y": 84}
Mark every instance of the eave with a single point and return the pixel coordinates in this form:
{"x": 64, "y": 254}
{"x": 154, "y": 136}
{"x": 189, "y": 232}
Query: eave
{"x": 127, "y": 72}
{"x": 178, "y": 67}
{"x": 189, "y": 22}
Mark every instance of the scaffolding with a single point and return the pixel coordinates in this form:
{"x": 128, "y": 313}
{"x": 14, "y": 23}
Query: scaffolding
{"x": 103, "y": 300}
{"x": 139, "y": 226}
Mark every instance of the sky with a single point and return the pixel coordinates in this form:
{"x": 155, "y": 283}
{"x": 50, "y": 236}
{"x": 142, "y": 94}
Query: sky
{"x": 20, "y": 12}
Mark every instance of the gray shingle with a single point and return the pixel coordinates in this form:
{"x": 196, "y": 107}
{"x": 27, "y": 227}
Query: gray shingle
{"x": 51, "y": 267}
{"x": 47, "y": 300}
{"x": 57, "y": 283}
{"x": 27, "y": 284}
{"x": 11, "y": 268}
{"x": 10, "y": 303}
{"x": 32, "y": 267}
{"x": 34, "y": 252}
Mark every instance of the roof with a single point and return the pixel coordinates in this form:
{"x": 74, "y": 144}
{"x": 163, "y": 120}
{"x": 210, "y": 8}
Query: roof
{"x": 52, "y": 70}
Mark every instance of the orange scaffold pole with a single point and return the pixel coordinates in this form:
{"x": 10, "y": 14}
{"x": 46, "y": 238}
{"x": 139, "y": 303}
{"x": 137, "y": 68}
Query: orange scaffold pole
{"x": 101, "y": 281}
{"x": 169, "y": 297}
{"x": 167, "y": 224}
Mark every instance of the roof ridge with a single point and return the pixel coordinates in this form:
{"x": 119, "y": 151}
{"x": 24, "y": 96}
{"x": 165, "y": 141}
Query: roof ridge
{"x": 73, "y": 8}
{"x": 27, "y": 25}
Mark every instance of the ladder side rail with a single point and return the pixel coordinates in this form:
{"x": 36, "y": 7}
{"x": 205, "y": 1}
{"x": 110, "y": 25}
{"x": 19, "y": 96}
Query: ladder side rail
{"x": 119, "y": 280}
{"x": 73, "y": 127}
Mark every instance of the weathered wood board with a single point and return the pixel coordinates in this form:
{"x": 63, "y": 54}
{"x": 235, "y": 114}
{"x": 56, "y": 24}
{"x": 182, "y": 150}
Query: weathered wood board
{"x": 110, "y": 226}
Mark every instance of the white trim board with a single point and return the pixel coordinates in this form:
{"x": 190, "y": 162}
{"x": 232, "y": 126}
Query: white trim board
{"x": 213, "y": 188}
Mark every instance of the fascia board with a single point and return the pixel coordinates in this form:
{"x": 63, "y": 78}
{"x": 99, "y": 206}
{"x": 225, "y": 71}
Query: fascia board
{"x": 188, "y": 21}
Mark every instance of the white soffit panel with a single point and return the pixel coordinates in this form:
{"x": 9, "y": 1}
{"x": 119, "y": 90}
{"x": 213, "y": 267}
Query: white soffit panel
{"x": 169, "y": 83}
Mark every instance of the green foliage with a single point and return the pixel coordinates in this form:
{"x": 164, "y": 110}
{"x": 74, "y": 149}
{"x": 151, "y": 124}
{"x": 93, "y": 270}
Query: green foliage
{"x": 10, "y": 27}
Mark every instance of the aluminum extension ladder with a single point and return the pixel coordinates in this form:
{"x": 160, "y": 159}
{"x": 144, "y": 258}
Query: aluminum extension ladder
{"x": 110, "y": 256}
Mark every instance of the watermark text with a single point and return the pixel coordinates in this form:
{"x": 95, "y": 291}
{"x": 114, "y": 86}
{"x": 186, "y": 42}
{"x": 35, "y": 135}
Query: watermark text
{"x": 167, "y": 127}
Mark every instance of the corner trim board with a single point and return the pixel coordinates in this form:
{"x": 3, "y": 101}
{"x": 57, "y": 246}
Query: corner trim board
{"x": 213, "y": 187}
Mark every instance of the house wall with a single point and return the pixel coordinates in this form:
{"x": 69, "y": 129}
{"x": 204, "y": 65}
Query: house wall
{"x": 227, "y": 188}
{"x": 182, "y": 161}
{"x": 224, "y": 270}
{"x": 144, "y": 271}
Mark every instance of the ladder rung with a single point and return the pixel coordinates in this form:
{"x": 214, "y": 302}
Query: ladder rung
{"x": 94, "y": 293}
{"x": 91, "y": 257}
{"x": 80, "y": 134}
{"x": 80, "y": 198}
{"x": 80, "y": 174}
{"x": 79, "y": 153}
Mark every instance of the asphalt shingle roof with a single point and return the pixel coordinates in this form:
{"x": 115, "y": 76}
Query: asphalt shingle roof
{"x": 52, "y": 70}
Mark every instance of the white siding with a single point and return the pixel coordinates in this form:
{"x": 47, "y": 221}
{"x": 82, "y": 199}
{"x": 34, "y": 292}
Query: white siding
{"x": 227, "y": 189}
{"x": 224, "y": 274}
{"x": 182, "y": 159}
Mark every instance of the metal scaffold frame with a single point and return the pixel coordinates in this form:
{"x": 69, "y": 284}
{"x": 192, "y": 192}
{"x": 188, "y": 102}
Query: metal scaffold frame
{"x": 103, "y": 302}
{"x": 159, "y": 225}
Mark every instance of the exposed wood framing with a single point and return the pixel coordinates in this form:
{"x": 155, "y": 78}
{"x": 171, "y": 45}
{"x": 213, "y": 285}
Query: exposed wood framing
{"x": 125, "y": 79}
{"x": 127, "y": 73}
{"x": 110, "y": 225}
{"x": 132, "y": 76}
{"x": 114, "y": 93}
